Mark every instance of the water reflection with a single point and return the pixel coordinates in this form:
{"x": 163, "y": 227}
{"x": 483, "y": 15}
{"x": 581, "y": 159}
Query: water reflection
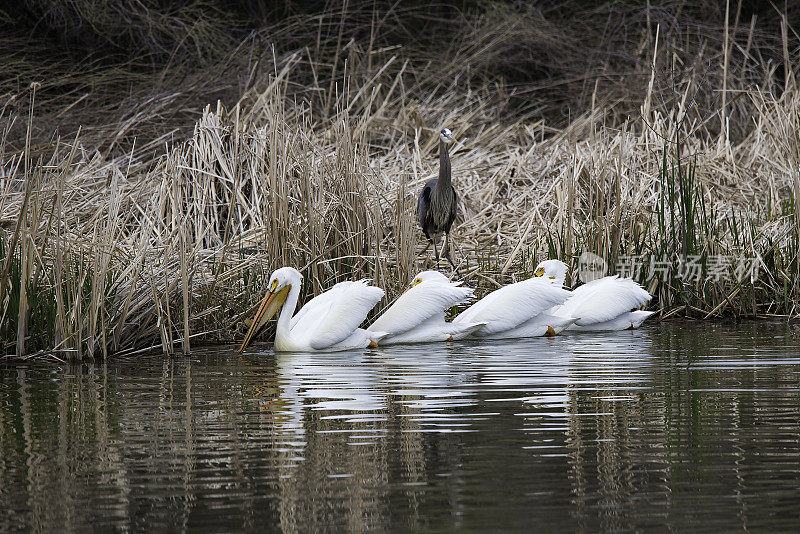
{"x": 690, "y": 427}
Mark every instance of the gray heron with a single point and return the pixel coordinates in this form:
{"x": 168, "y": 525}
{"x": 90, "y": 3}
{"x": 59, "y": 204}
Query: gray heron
{"x": 438, "y": 203}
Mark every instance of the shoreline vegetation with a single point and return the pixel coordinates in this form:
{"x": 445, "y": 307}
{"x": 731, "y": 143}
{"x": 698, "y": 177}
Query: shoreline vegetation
{"x": 143, "y": 204}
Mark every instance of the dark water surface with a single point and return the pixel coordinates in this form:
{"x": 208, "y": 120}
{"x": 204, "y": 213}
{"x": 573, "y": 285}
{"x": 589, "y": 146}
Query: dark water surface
{"x": 687, "y": 427}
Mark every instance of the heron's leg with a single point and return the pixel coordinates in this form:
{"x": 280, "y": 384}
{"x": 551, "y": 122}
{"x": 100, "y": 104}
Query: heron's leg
{"x": 446, "y": 254}
{"x": 436, "y": 252}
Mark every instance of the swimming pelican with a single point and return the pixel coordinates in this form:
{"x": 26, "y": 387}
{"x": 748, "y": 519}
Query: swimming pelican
{"x": 602, "y": 304}
{"x": 516, "y": 310}
{"x": 417, "y": 316}
{"x": 328, "y": 322}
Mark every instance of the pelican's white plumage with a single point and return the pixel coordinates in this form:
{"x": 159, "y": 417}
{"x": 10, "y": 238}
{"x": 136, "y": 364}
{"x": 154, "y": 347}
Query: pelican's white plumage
{"x": 417, "y": 316}
{"x": 626, "y": 321}
{"x": 544, "y": 324}
{"x": 512, "y": 310}
{"x": 329, "y": 322}
{"x": 602, "y": 304}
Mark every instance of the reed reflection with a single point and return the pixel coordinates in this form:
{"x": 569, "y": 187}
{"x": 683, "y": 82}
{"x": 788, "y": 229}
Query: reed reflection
{"x": 615, "y": 432}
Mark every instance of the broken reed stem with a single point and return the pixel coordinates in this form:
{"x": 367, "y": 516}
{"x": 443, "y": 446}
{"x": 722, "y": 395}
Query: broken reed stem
{"x": 726, "y": 51}
{"x": 24, "y": 254}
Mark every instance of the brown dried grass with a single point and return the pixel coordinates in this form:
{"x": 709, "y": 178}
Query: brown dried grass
{"x": 172, "y": 241}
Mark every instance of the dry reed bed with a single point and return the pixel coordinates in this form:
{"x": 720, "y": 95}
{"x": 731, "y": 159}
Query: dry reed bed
{"x": 123, "y": 254}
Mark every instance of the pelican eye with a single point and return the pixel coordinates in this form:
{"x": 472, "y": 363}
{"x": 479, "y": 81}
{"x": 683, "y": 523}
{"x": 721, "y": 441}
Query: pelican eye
{"x": 273, "y": 286}
{"x": 540, "y": 272}
{"x": 416, "y": 281}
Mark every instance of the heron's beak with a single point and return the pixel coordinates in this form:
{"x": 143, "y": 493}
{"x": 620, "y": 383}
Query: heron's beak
{"x": 271, "y": 304}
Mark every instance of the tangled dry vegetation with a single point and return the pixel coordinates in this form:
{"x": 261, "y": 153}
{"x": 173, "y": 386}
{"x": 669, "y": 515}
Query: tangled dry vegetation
{"x": 172, "y": 241}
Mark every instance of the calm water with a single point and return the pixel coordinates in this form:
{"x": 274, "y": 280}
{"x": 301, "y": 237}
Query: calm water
{"x": 680, "y": 427}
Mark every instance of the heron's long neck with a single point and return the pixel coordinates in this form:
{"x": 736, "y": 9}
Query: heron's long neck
{"x": 444, "y": 166}
{"x": 287, "y": 310}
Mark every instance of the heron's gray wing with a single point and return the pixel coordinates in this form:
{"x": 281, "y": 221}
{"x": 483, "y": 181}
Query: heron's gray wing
{"x": 423, "y": 206}
{"x": 423, "y": 202}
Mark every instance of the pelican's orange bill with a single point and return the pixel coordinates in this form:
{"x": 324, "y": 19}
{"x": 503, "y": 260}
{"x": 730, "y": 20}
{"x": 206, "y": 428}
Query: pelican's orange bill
{"x": 271, "y": 303}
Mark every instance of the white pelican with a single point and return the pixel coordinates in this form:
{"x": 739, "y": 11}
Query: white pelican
{"x": 328, "y": 322}
{"x": 602, "y": 304}
{"x": 516, "y": 311}
{"x": 417, "y": 316}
